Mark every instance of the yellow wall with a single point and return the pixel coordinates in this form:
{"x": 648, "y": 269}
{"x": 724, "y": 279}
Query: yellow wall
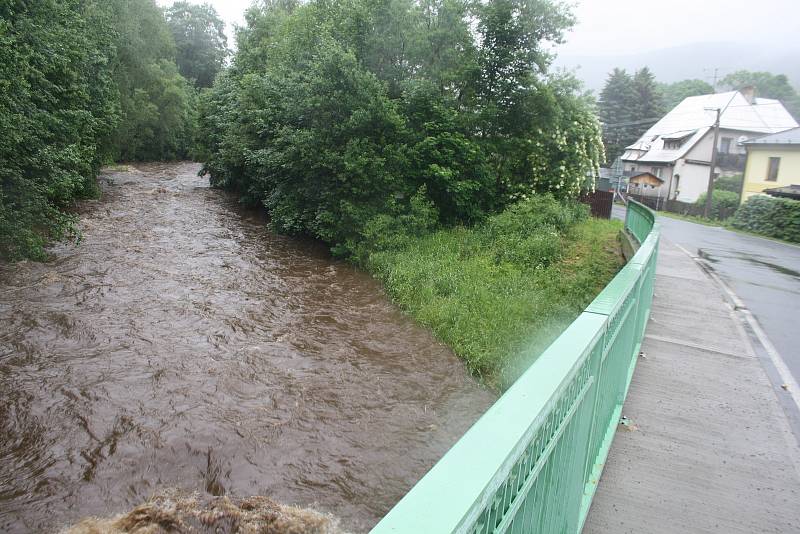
{"x": 755, "y": 173}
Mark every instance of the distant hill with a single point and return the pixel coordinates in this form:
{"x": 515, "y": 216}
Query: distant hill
{"x": 690, "y": 61}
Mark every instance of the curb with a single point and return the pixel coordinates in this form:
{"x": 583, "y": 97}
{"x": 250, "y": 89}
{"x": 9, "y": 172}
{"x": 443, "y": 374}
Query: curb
{"x": 786, "y": 387}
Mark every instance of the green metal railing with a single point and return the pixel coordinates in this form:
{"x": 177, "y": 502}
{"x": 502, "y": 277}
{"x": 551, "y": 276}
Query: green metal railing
{"x": 533, "y": 461}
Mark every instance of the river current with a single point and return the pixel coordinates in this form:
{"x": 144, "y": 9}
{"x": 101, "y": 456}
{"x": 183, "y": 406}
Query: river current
{"x": 180, "y": 344}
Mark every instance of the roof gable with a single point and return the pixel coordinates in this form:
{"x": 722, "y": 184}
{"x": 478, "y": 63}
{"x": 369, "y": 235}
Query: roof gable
{"x": 645, "y": 177}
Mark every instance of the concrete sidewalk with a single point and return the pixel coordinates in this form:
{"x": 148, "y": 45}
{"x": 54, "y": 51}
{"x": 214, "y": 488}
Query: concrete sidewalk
{"x": 707, "y": 447}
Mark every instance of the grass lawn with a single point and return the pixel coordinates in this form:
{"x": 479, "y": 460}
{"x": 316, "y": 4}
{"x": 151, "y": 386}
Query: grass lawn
{"x": 493, "y": 296}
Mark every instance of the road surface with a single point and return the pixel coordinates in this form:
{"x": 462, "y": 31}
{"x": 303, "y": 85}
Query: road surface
{"x": 764, "y": 274}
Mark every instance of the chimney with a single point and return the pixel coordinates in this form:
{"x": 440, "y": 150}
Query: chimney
{"x": 749, "y": 94}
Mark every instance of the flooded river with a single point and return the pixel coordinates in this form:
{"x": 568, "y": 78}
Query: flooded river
{"x": 182, "y": 345}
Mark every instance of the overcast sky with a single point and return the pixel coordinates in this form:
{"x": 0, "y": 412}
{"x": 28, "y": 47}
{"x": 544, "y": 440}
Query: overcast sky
{"x": 620, "y": 26}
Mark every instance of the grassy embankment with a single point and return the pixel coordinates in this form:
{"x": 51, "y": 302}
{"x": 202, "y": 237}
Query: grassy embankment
{"x": 498, "y": 294}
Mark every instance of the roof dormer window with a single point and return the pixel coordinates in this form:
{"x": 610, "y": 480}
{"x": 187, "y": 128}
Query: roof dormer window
{"x": 675, "y": 141}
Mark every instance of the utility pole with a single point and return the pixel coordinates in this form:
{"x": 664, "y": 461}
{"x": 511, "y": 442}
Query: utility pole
{"x": 715, "y": 77}
{"x": 710, "y": 191}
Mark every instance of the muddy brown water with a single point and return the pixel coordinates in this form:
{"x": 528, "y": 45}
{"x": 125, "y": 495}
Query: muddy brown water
{"x": 182, "y": 345}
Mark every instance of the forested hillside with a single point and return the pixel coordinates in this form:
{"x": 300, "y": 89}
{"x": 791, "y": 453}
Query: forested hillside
{"x": 357, "y": 122}
{"x": 83, "y": 82}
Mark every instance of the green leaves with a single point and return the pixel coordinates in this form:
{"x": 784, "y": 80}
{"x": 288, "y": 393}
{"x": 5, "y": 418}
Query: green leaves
{"x": 200, "y": 43}
{"x": 56, "y": 106}
{"x": 772, "y": 217}
{"x": 343, "y": 118}
{"x": 674, "y": 93}
{"x": 81, "y": 82}
{"x": 156, "y": 103}
{"x": 724, "y": 203}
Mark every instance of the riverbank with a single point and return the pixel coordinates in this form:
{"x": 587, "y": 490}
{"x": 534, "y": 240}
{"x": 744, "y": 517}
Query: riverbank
{"x": 515, "y": 282}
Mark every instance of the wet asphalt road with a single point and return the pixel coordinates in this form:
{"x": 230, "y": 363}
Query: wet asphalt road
{"x": 764, "y": 274}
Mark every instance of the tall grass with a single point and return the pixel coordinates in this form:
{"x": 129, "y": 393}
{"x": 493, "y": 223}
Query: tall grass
{"x": 505, "y": 288}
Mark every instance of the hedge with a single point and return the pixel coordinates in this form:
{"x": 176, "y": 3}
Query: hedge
{"x": 723, "y": 205}
{"x": 772, "y": 217}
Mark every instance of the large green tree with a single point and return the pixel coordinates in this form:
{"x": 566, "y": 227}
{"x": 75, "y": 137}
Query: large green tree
{"x": 156, "y": 102}
{"x": 628, "y": 106}
{"x": 674, "y": 93}
{"x": 649, "y": 99}
{"x": 617, "y": 108}
{"x": 58, "y": 102}
{"x": 200, "y": 42}
{"x": 347, "y": 117}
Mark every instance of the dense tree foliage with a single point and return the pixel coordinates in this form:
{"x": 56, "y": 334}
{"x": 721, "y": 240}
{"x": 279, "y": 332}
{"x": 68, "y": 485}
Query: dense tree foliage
{"x": 156, "y": 102}
{"x": 767, "y": 85}
{"x": 83, "y": 82}
{"x": 649, "y": 99}
{"x": 57, "y": 104}
{"x": 675, "y": 93}
{"x": 346, "y": 120}
{"x": 200, "y": 41}
{"x": 628, "y": 106}
{"x": 617, "y": 108}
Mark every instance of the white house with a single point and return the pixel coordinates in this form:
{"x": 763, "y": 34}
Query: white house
{"x": 677, "y": 149}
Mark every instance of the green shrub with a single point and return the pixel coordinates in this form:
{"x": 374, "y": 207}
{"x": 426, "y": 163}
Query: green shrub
{"x": 772, "y": 217}
{"x": 729, "y": 183}
{"x": 723, "y": 205}
{"x": 81, "y": 82}
{"x": 57, "y": 105}
{"x": 334, "y": 115}
{"x": 499, "y": 292}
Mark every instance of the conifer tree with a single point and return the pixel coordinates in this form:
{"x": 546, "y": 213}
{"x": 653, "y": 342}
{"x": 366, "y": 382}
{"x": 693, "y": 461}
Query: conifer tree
{"x": 650, "y": 101}
{"x": 617, "y": 109}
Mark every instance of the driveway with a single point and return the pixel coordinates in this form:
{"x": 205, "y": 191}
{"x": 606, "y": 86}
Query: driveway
{"x": 764, "y": 274}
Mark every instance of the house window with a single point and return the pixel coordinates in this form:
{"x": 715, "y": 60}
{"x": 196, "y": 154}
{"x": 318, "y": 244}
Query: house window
{"x": 725, "y": 145}
{"x": 774, "y": 166}
{"x": 657, "y": 171}
{"x": 674, "y": 144}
